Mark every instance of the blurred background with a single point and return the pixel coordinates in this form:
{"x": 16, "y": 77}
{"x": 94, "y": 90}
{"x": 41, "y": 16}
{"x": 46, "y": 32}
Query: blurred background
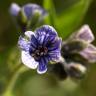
{"x": 66, "y": 16}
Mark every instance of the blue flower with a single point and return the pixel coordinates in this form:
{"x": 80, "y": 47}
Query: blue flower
{"x": 27, "y": 14}
{"x": 40, "y": 47}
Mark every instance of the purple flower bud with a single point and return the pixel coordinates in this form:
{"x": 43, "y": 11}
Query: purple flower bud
{"x": 89, "y": 53}
{"x": 84, "y": 34}
{"x": 14, "y": 9}
{"x": 31, "y": 9}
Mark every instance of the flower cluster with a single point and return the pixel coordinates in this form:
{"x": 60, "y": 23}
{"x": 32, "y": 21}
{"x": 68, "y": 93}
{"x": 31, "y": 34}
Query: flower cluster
{"x": 41, "y": 48}
{"x": 80, "y": 43}
{"x": 77, "y": 52}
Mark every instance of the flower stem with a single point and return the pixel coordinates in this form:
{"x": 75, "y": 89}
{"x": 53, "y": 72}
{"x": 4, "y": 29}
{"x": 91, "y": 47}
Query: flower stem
{"x": 9, "y": 89}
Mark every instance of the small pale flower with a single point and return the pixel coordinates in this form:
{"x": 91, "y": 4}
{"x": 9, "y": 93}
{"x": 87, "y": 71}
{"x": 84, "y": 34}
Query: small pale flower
{"x": 39, "y": 48}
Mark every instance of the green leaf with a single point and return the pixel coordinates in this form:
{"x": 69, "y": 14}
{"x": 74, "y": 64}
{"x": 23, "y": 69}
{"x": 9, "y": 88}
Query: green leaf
{"x": 72, "y": 17}
{"x": 49, "y": 6}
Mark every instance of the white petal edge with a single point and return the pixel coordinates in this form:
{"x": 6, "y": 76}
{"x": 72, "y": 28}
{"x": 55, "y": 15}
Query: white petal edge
{"x": 28, "y": 61}
{"x": 85, "y": 28}
{"x": 51, "y": 28}
{"x": 14, "y": 9}
{"x": 29, "y": 34}
{"x": 41, "y": 72}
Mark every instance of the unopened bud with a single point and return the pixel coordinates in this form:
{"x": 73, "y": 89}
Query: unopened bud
{"x": 76, "y": 70}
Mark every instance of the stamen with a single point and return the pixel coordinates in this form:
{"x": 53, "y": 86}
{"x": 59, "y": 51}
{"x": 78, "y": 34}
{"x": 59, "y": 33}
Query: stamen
{"x": 41, "y": 51}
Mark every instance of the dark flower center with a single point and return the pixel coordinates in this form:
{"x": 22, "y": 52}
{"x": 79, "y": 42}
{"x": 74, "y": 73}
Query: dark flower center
{"x": 40, "y": 51}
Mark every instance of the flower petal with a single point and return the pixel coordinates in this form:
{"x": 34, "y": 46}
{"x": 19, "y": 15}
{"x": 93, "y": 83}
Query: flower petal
{"x": 28, "y": 60}
{"x": 23, "y": 44}
{"x": 29, "y": 34}
{"x": 89, "y": 53}
{"x": 54, "y": 55}
{"x": 28, "y": 10}
{"x": 56, "y": 45}
{"x": 44, "y": 33}
{"x": 34, "y": 41}
{"x": 14, "y": 9}
{"x": 42, "y": 67}
{"x": 84, "y": 33}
